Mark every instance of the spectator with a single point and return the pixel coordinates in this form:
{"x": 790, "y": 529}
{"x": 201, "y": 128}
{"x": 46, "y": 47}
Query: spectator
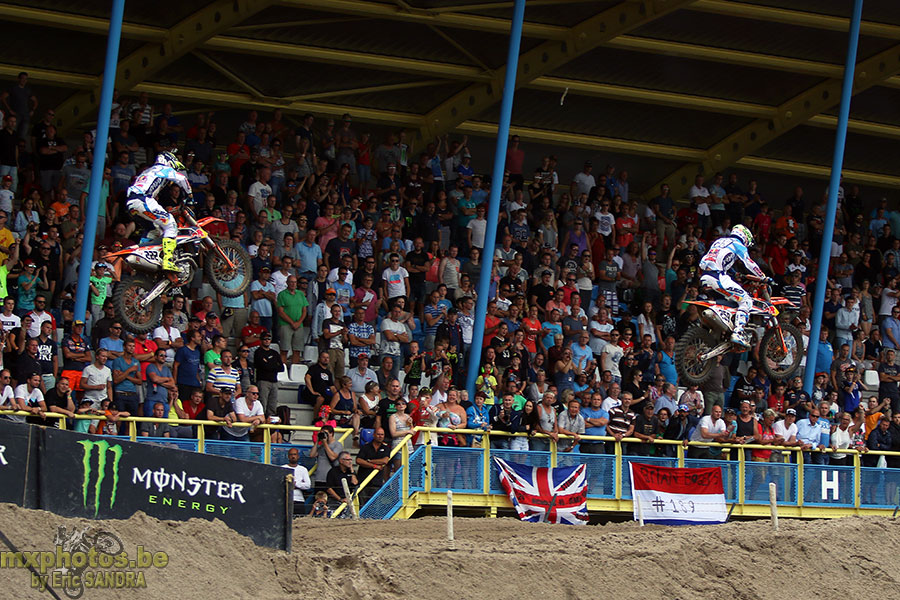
{"x": 187, "y": 368}
{"x": 301, "y": 481}
{"x": 96, "y": 380}
{"x": 126, "y": 372}
{"x": 157, "y": 430}
{"x": 267, "y": 364}
{"x": 326, "y": 451}
{"x": 342, "y": 472}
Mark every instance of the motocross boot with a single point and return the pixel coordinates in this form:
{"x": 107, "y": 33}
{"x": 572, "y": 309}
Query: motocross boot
{"x": 737, "y": 334}
{"x": 168, "y": 253}
{"x": 737, "y": 338}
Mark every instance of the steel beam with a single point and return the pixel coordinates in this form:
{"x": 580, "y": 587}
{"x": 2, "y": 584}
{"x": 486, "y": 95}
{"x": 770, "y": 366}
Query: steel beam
{"x": 543, "y": 59}
{"x": 74, "y": 22}
{"x": 378, "y": 10}
{"x": 470, "y": 22}
{"x": 796, "y": 111}
{"x": 703, "y": 103}
{"x": 786, "y": 16}
{"x": 348, "y": 58}
{"x": 152, "y": 57}
{"x": 580, "y": 140}
{"x": 214, "y": 98}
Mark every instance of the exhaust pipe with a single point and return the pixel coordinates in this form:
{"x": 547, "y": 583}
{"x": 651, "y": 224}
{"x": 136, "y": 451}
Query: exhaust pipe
{"x": 712, "y": 319}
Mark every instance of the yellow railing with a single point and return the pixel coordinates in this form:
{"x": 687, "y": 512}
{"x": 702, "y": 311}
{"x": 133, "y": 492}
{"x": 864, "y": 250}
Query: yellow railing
{"x": 133, "y": 423}
{"x": 619, "y": 454}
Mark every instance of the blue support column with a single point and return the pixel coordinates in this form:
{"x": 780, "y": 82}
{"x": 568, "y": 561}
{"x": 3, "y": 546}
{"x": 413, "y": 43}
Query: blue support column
{"x": 93, "y": 202}
{"x": 837, "y": 164}
{"x": 493, "y": 213}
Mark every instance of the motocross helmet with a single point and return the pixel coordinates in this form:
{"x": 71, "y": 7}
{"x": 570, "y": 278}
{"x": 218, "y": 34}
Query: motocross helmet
{"x": 742, "y": 233}
{"x": 169, "y": 160}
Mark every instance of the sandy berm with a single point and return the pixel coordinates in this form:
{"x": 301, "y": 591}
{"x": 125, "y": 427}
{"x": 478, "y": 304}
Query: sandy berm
{"x": 496, "y": 558}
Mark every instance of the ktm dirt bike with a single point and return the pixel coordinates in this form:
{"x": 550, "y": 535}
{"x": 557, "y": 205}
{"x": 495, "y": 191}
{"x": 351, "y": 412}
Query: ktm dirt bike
{"x": 780, "y": 348}
{"x": 137, "y": 299}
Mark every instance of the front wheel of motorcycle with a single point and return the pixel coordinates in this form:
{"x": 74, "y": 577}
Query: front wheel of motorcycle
{"x": 781, "y": 361}
{"x": 126, "y": 301}
{"x": 228, "y": 281}
{"x": 691, "y": 369}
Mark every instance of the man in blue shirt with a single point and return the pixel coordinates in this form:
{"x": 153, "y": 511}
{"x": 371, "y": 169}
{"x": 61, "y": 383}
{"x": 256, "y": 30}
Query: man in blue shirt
{"x": 809, "y": 434}
{"x": 595, "y": 420}
{"x": 582, "y": 355}
{"x": 310, "y": 255}
{"x": 890, "y": 329}
{"x": 187, "y": 368}
{"x": 825, "y": 354}
{"x": 126, "y": 377}
{"x": 553, "y": 327}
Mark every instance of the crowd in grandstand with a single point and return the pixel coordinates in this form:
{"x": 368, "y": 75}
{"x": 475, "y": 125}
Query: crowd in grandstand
{"x": 369, "y": 250}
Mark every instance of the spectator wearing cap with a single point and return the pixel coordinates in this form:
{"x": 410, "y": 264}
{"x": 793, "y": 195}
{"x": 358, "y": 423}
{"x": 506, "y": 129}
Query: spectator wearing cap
{"x": 29, "y": 281}
{"x": 360, "y": 375}
{"x": 584, "y": 181}
{"x": 263, "y": 297}
{"x": 268, "y": 364}
{"x": 678, "y": 428}
{"x": 786, "y": 431}
{"x": 209, "y": 329}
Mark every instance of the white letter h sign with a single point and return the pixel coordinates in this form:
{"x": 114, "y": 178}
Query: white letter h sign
{"x": 830, "y": 485}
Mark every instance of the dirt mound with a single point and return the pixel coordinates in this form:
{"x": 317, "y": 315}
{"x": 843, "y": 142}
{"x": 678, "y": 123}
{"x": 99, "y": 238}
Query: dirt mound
{"x": 495, "y": 558}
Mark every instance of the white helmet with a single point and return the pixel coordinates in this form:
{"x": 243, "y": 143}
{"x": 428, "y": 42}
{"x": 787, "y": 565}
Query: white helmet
{"x": 743, "y": 234}
{"x": 170, "y": 160}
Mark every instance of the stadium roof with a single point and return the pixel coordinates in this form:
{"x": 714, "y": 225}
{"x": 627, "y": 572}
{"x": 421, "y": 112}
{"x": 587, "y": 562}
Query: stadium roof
{"x": 691, "y": 84}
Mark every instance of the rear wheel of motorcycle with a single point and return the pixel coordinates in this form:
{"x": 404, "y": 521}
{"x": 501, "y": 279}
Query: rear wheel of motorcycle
{"x": 126, "y": 303}
{"x": 778, "y": 364}
{"x": 225, "y": 280}
{"x": 691, "y": 370}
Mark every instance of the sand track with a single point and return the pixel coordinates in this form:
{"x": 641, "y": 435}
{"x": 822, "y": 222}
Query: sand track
{"x": 496, "y": 558}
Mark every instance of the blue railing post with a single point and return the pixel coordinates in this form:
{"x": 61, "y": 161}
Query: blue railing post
{"x": 837, "y": 163}
{"x": 493, "y": 212}
{"x": 93, "y": 204}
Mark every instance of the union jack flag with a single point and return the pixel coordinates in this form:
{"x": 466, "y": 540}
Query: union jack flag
{"x": 539, "y": 494}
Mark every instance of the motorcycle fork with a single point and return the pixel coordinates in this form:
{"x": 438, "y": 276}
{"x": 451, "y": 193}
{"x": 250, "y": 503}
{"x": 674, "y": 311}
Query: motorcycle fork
{"x": 156, "y": 292}
{"x": 214, "y": 246}
{"x": 780, "y": 335}
{"x": 716, "y": 351}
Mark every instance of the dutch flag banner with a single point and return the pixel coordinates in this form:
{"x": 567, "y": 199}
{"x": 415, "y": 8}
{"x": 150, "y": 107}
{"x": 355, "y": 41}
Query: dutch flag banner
{"x": 672, "y": 496}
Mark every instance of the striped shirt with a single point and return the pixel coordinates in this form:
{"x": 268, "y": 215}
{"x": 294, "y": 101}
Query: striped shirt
{"x": 433, "y": 312}
{"x": 222, "y": 380}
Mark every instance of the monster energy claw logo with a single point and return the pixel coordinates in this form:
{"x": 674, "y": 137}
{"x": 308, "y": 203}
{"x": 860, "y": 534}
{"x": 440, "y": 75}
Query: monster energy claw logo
{"x": 102, "y": 448}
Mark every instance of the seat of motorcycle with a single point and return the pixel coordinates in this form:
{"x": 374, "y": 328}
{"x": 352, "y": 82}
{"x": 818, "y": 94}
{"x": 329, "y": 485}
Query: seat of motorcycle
{"x": 712, "y": 296}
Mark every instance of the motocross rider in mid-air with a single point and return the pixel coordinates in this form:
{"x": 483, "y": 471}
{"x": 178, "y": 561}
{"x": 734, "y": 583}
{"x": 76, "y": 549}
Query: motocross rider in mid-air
{"x": 717, "y": 263}
{"x": 141, "y": 201}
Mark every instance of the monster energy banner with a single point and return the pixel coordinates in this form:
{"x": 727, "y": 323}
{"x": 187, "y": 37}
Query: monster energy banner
{"x": 109, "y": 478}
{"x": 18, "y": 464}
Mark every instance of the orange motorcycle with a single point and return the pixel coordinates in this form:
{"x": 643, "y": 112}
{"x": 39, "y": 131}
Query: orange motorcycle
{"x": 137, "y": 298}
{"x": 780, "y": 346}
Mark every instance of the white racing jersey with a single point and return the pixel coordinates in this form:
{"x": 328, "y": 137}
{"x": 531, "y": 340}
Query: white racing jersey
{"x": 155, "y": 178}
{"x": 723, "y": 253}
